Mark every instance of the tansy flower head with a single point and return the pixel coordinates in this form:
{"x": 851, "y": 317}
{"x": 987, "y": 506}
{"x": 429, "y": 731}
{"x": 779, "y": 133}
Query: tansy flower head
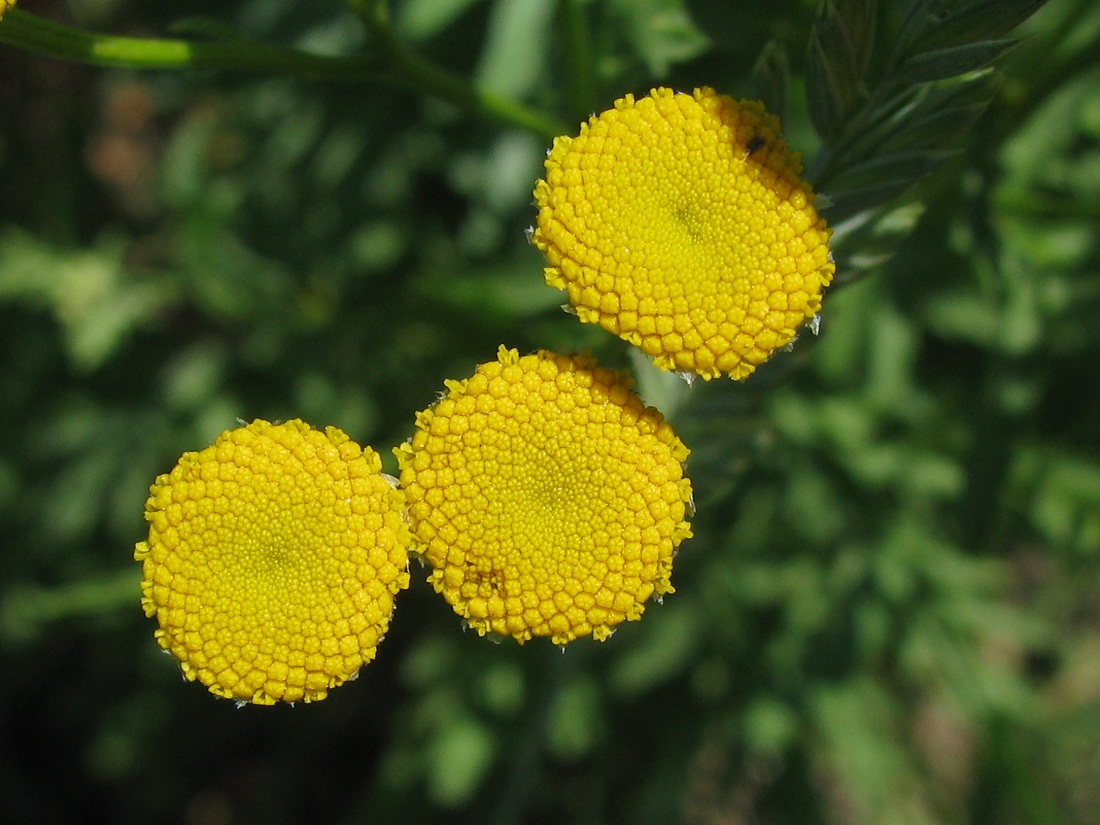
{"x": 547, "y": 498}
{"x": 679, "y": 223}
{"x": 272, "y": 561}
{"x": 4, "y": 6}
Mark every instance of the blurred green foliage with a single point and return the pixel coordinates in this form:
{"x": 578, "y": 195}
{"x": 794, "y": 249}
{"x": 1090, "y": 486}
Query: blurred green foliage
{"x": 889, "y": 611}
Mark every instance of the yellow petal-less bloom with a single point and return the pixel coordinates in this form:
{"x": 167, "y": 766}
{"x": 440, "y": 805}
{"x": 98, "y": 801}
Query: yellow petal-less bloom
{"x": 680, "y": 223}
{"x": 4, "y": 6}
{"x": 548, "y": 499}
{"x": 272, "y": 561}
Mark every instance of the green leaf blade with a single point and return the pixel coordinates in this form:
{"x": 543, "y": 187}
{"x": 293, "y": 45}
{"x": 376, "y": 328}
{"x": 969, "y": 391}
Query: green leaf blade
{"x": 838, "y": 54}
{"x": 953, "y": 61}
{"x": 974, "y": 22}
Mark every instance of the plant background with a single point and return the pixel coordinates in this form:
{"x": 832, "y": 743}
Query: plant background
{"x": 890, "y": 612}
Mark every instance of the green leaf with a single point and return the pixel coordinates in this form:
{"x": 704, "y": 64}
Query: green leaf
{"x": 840, "y": 47}
{"x": 919, "y": 12}
{"x": 461, "y": 755}
{"x": 943, "y": 113}
{"x": 658, "y": 652}
{"x": 930, "y": 117}
{"x": 880, "y": 180}
{"x": 952, "y": 61}
{"x": 662, "y": 32}
{"x": 771, "y": 79}
{"x": 974, "y": 22}
{"x": 575, "y": 721}
{"x": 871, "y": 237}
{"x": 866, "y": 198}
{"x": 894, "y": 166}
{"x": 94, "y": 297}
{"x": 825, "y": 93}
{"x": 515, "y": 50}
{"x": 873, "y": 126}
{"x": 1066, "y": 503}
{"x": 421, "y": 19}
{"x": 26, "y": 611}
{"x": 859, "y": 20}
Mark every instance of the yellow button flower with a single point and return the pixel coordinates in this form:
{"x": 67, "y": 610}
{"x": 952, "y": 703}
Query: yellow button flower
{"x": 680, "y": 223}
{"x": 272, "y": 561}
{"x": 547, "y": 497}
{"x": 4, "y": 6}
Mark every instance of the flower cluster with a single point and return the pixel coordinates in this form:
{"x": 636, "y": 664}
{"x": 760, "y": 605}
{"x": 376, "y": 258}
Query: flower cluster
{"x": 272, "y": 561}
{"x": 546, "y": 497}
{"x": 679, "y": 223}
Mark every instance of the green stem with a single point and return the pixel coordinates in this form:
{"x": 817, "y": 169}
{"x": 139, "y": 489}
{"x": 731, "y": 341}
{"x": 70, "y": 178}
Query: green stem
{"x": 579, "y": 65}
{"x": 25, "y": 612}
{"x": 393, "y": 63}
{"x": 52, "y": 39}
{"x": 403, "y": 67}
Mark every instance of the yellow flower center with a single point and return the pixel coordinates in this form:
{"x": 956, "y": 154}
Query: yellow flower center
{"x": 272, "y": 561}
{"x": 547, "y": 498}
{"x": 679, "y": 223}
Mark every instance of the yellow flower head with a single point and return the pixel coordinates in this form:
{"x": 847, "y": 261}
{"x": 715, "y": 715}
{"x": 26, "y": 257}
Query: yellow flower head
{"x": 4, "y": 6}
{"x": 547, "y": 497}
{"x": 272, "y": 561}
{"x": 680, "y": 223}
